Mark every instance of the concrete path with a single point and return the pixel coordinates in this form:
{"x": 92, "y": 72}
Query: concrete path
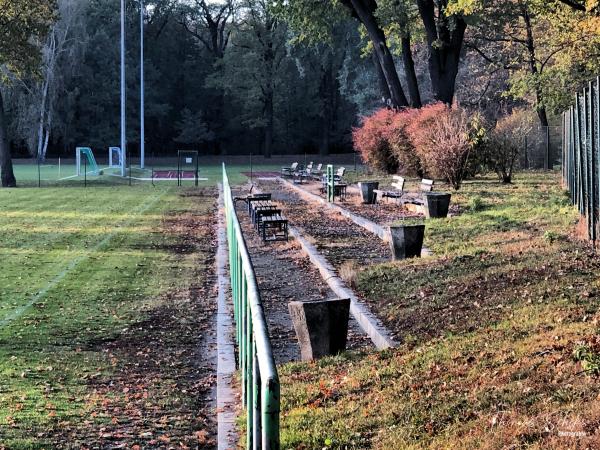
{"x": 227, "y": 399}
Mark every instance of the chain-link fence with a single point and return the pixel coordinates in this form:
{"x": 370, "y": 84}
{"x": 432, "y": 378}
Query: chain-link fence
{"x": 161, "y": 171}
{"x": 542, "y": 148}
{"x": 581, "y": 154}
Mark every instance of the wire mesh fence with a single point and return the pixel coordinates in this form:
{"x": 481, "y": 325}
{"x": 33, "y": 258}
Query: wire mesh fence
{"x": 161, "y": 171}
{"x": 61, "y": 172}
{"x": 581, "y": 154}
{"x": 542, "y": 149}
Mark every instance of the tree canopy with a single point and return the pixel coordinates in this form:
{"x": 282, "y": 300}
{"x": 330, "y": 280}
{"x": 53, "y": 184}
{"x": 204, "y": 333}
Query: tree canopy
{"x": 279, "y": 76}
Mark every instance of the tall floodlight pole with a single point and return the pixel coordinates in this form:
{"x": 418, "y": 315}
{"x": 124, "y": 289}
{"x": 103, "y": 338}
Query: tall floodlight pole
{"x": 123, "y": 94}
{"x": 142, "y": 92}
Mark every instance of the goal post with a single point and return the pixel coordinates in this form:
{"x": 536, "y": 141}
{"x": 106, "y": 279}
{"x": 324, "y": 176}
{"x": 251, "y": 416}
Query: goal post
{"x": 115, "y": 157}
{"x": 88, "y": 154}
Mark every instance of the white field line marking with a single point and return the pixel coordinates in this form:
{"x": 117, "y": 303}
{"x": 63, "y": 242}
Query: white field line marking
{"x": 68, "y": 178}
{"x": 91, "y": 172}
{"x": 155, "y": 179}
{"x": 166, "y": 179}
{"x": 75, "y": 262}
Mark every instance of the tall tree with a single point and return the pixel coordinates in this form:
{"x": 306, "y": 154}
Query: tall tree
{"x": 444, "y": 32}
{"x": 445, "y": 36}
{"x": 38, "y": 96}
{"x": 211, "y": 24}
{"x": 23, "y": 26}
{"x": 540, "y": 44}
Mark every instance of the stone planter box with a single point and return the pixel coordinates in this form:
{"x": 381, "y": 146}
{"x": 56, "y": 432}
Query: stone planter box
{"x": 406, "y": 241}
{"x": 367, "y": 193}
{"x": 321, "y": 327}
{"x": 437, "y": 204}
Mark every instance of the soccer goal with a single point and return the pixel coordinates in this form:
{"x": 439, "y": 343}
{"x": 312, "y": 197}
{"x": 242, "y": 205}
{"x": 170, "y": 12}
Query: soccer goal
{"x": 84, "y": 156}
{"x": 115, "y": 157}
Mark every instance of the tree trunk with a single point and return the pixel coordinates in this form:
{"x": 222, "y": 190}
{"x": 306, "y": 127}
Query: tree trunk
{"x": 6, "y": 167}
{"x": 383, "y": 86}
{"x": 327, "y": 93}
{"x": 386, "y": 61}
{"x": 409, "y": 71}
{"x": 42, "y": 117}
{"x": 444, "y": 43}
{"x": 540, "y": 108}
{"x": 269, "y": 127}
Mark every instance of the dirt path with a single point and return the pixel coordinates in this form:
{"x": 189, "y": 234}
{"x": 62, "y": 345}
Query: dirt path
{"x": 339, "y": 239}
{"x": 383, "y": 212}
{"x": 284, "y": 274}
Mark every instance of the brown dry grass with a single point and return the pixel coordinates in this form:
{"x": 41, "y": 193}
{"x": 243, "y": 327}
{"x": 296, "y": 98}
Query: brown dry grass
{"x": 348, "y": 272}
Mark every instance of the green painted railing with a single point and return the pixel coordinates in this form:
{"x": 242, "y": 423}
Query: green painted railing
{"x": 581, "y": 154}
{"x": 260, "y": 382}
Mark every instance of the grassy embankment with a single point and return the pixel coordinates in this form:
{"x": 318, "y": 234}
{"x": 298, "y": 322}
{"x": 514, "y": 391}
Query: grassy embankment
{"x": 498, "y": 330}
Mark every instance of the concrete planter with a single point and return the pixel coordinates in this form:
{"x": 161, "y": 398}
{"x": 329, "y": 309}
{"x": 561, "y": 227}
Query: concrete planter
{"x": 366, "y": 191}
{"x": 406, "y": 241}
{"x": 321, "y": 327}
{"x": 437, "y": 205}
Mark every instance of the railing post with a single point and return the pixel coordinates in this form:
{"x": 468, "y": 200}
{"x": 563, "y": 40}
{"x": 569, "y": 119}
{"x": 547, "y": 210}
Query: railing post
{"x": 242, "y": 342}
{"x": 270, "y": 415}
{"x": 256, "y": 402}
{"x": 249, "y": 344}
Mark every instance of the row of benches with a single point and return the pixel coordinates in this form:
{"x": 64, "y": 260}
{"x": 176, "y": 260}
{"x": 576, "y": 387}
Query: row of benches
{"x": 299, "y": 173}
{"x": 296, "y": 170}
{"x": 267, "y": 218}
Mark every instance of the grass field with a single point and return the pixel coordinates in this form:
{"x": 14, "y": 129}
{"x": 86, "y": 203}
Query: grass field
{"x": 99, "y": 329}
{"x": 499, "y": 337}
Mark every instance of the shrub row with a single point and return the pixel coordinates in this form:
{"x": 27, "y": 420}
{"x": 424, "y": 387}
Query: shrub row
{"x": 440, "y": 142}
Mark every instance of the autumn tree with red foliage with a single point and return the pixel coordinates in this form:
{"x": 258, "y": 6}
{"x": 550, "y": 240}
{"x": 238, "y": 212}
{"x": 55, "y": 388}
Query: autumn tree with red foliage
{"x": 435, "y": 140}
{"x": 442, "y": 138}
{"x": 383, "y": 143}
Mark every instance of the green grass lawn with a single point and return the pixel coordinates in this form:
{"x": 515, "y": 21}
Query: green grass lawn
{"x": 82, "y": 269}
{"x": 498, "y": 332}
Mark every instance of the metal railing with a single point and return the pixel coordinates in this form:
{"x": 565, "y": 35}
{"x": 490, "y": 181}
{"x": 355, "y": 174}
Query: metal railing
{"x": 581, "y": 154}
{"x": 260, "y": 382}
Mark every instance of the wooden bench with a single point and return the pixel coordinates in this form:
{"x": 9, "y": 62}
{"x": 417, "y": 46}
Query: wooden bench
{"x": 418, "y": 201}
{"x": 338, "y": 177}
{"x": 317, "y": 173}
{"x": 426, "y": 185}
{"x": 398, "y": 184}
{"x": 289, "y": 171}
{"x": 263, "y": 214}
{"x": 302, "y": 175}
{"x": 260, "y": 206}
{"x": 274, "y": 228}
{"x": 256, "y": 198}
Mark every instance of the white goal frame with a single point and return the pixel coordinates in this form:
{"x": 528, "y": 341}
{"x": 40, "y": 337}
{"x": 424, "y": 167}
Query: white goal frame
{"x": 111, "y": 160}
